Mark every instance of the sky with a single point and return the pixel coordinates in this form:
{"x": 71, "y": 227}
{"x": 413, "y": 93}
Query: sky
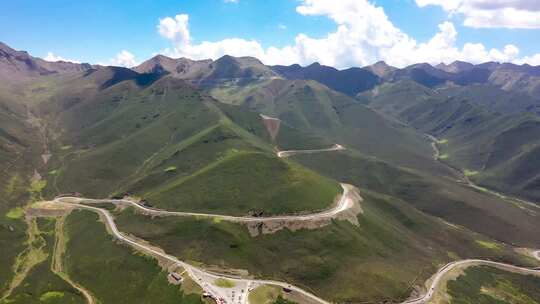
{"x": 339, "y": 33}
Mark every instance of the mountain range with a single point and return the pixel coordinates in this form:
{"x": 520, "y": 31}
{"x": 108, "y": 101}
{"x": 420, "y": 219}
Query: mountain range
{"x": 446, "y": 158}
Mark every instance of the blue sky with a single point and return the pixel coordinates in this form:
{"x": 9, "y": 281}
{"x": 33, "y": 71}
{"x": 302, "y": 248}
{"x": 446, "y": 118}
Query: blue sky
{"x": 96, "y": 31}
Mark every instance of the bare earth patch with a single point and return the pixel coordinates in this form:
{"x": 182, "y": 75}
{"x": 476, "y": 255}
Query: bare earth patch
{"x": 272, "y": 125}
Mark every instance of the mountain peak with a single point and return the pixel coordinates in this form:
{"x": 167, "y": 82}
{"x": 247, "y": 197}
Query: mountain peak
{"x": 244, "y": 60}
{"x": 9, "y": 50}
{"x": 19, "y": 65}
{"x": 5, "y": 47}
{"x": 380, "y": 68}
{"x": 455, "y": 67}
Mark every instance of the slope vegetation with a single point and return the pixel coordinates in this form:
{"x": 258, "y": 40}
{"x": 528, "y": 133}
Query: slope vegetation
{"x": 394, "y": 248}
{"x": 245, "y": 181}
{"x": 318, "y": 116}
{"x": 498, "y": 150}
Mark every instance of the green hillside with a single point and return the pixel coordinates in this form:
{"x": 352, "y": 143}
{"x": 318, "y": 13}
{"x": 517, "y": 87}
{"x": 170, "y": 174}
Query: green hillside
{"x": 485, "y": 285}
{"x": 436, "y": 196}
{"x": 103, "y": 267}
{"x": 502, "y": 147}
{"x": 41, "y": 285}
{"x": 240, "y": 182}
{"x": 394, "y": 247}
{"x": 312, "y": 109}
{"x": 20, "y": 149}
{"x": 188, "y": 136}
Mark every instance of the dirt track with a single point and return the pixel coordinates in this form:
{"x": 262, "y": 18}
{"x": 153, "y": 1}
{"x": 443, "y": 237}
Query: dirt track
{"x": 466, "y": 180}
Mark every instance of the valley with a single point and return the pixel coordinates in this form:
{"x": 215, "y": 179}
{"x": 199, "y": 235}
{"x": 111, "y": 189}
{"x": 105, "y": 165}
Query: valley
{"x": 228, "y": 179}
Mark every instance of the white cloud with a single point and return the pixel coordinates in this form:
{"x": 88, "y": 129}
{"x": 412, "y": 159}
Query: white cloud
{"x": 448, "y": 5}
{"x": 281, "y": 26}
{"x": 364, "y": 35}
{"x": 231, "y": 1}
{"x": 125, "y": 59}
{"x": 492, "y": 13}
{"x": 175, "y": 29}
{"x": 53, "y": 58}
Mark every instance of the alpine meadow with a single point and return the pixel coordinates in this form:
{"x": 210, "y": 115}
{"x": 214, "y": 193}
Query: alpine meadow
{"x": 280, "y": 152}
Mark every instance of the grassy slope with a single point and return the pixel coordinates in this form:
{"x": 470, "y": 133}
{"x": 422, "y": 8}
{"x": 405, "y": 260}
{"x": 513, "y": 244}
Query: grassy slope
{"x": 504, "y": 148}
{"x": 151, "y": 140}
{"x": 41, "y": 285}
{"x": 485, "y": 285}
{"x": 112, "y": 147}
{"x": 494, "y": 99}
{"x": 393, "y": 248}
{"x": 12, "y": 237}
{"x": 440, "y": 197}
{"x": 112, "y": 272}
{"x": 243, "y": 181}
{"x": 126, "y": 137}
{"x": 311, "y": 108}
{"x": 19, "y": 155}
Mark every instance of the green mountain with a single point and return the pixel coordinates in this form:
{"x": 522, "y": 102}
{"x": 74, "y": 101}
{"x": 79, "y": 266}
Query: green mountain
{"x": 350, "y": 81}
{"x": 308, "y": 107}
{"x": 189, "y": 136}
{"x": 209, "y": 73}
{"x": 478, "y": 133}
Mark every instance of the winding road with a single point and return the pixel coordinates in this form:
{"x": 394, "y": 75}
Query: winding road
{"x": 288, "y": 153}
{"x": 204, "y": 278}
{"x": 465, "y": 179}
{"x": 438, "y": 277}
{"x": 346, "y": 202}
{"x": 242, "y": 286}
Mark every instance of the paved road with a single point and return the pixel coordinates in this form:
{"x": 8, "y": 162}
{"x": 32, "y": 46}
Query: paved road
{"x": 242, "y": 286}
{"x": 206, "y": 279}
{"x": 467, "y": 263}
{"x": 346, "y": 202}
{"x": 288, "y": 153}
{"x": 203, "y": 278}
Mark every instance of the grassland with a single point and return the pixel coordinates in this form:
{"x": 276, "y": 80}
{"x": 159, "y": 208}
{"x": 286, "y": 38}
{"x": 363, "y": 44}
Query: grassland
{"x": 18, "y": 156}
{"x": 15, "y": 213}
{"x": 393, "y": 248}
{"x": 469, "y": 173}
{"x": 444, "y": 156}
{"x": 224, "y": 283}
{"x": 264, "y": 294}
{"x": 499, "y": 147}
{"x": 244, "y": 181}
{"x": 268, "y": 295}
{"x": 114, "y": 273}
{"x": 436, "y": 196}
{"x": 314, "y": 116}
{"x": 486, "y": 285}
{"x": 489, "y": 245}
{"x": 40, "y": 284}
{"x": 171, "y": 144}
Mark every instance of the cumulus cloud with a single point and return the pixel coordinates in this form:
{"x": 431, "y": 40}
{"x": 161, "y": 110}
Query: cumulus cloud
{"x": 125, "y": 59}
{"x": 364, "y": 34}
{"x": 53, "y": 58}
{"x": 175, "y": 29}
{"x": 492, "y": 13}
